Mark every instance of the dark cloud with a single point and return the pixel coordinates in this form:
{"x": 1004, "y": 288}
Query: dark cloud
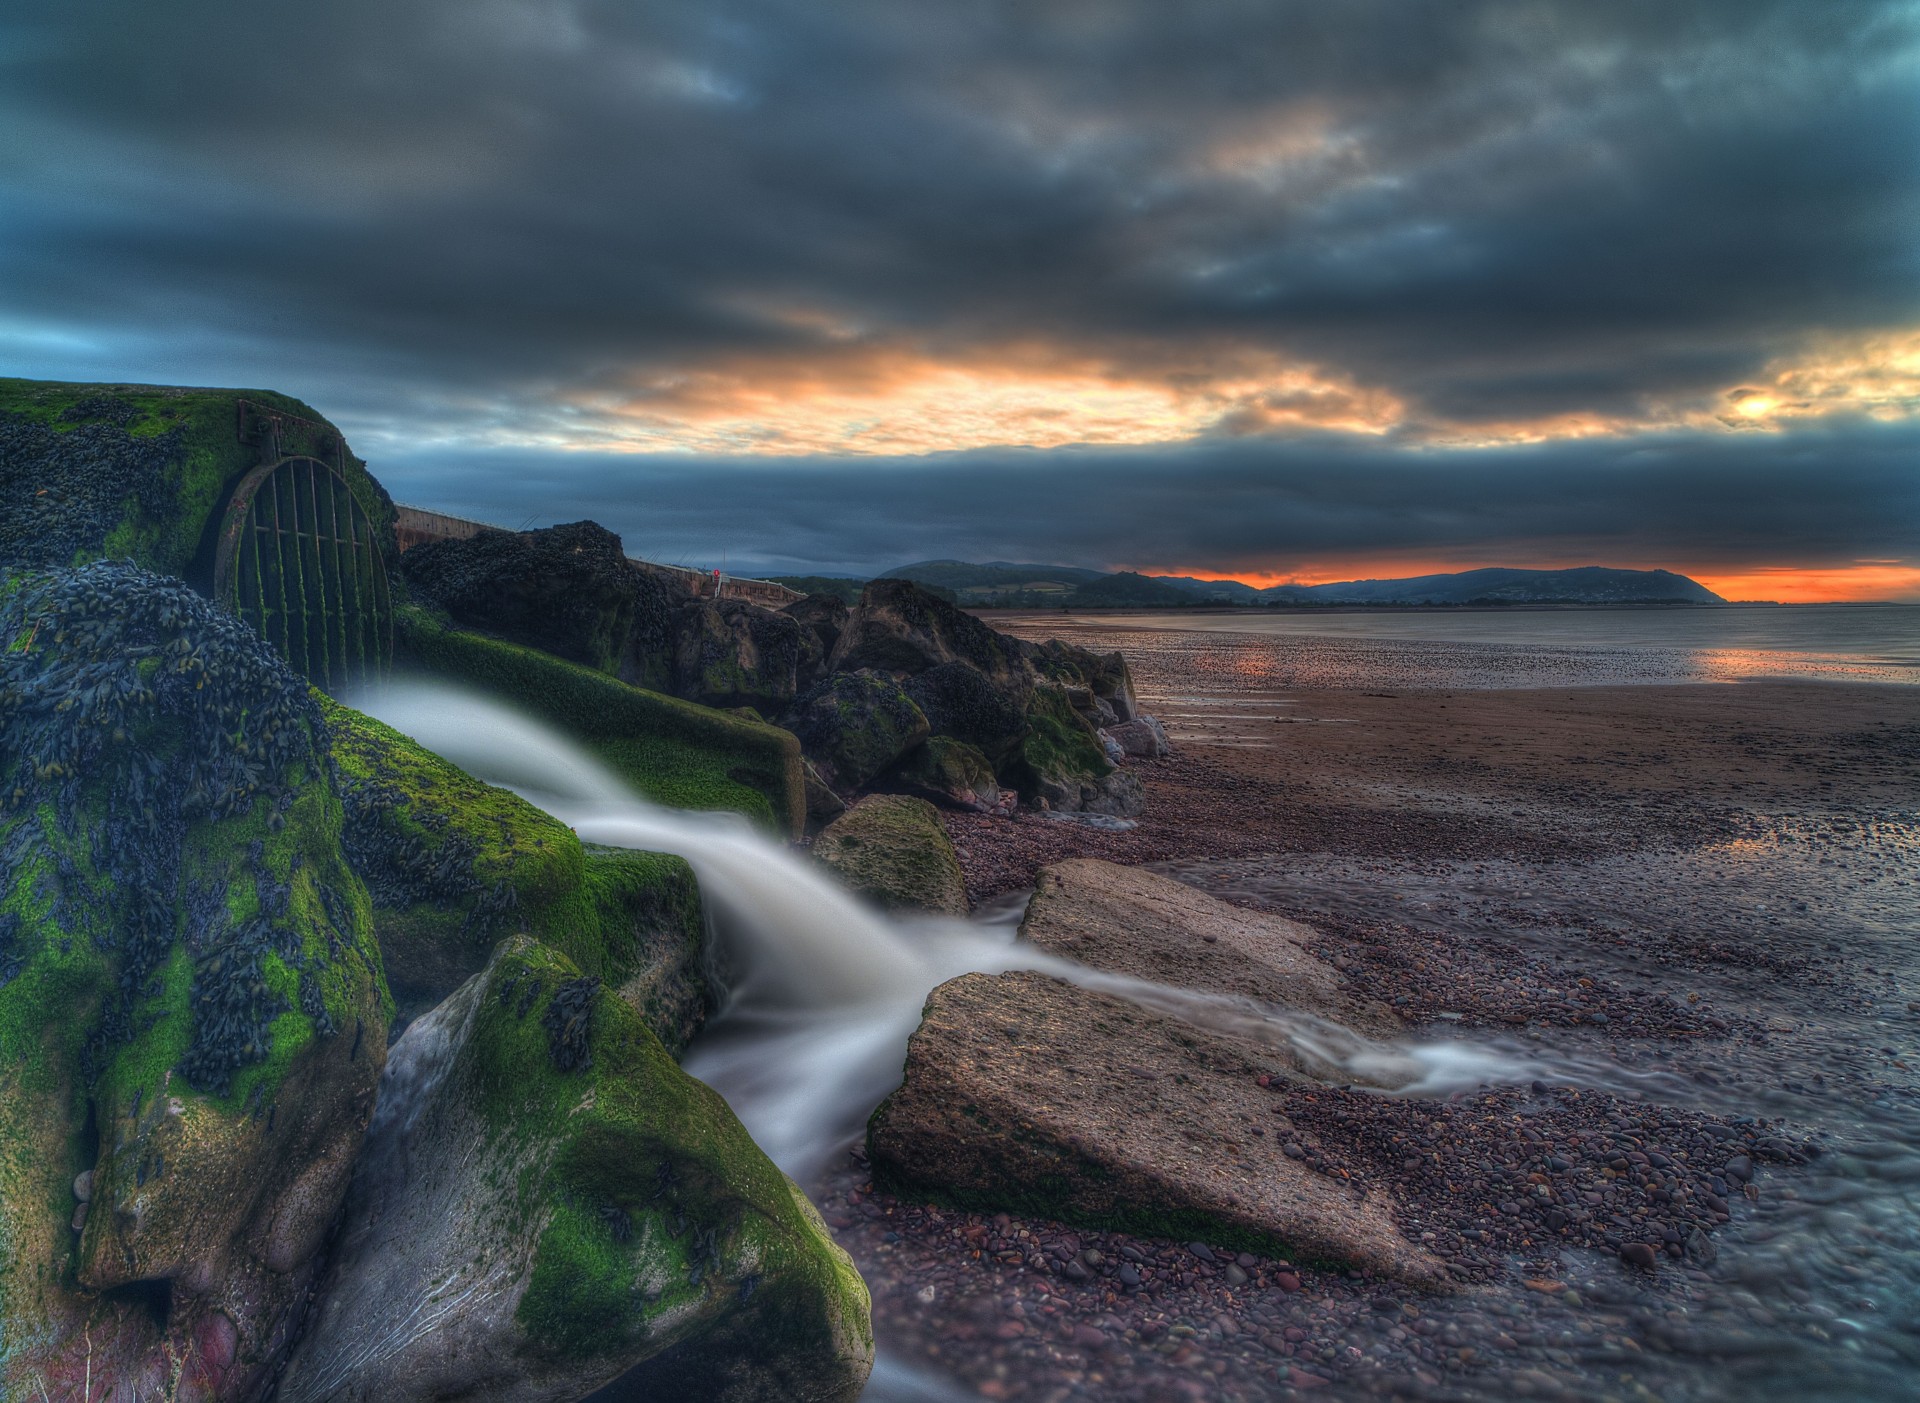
{"x": 1825, "y": 497}
{"x": 1495, "y": 209}
{"x": 457, "y": 222}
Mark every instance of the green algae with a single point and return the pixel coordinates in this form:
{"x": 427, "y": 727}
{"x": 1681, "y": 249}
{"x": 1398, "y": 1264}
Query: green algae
{"x": 674, "y": 752}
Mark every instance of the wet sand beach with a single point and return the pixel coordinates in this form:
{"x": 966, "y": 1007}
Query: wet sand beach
{"x": 1691, "y": 907}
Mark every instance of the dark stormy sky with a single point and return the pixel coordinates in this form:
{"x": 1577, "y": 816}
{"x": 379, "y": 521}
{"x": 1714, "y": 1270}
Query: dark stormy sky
{"x": 1280, "y": 289}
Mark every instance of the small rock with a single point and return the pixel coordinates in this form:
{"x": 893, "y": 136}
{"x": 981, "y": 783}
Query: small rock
{"x": 1235, "y": 1276}
{"x": 1202, "y": 1251}
{"x": 1638, "y": 1254}
{"x": 83, "y": 1186}
{"x": 1739, "y": 1169}
{"x": 1286, "y": 1281}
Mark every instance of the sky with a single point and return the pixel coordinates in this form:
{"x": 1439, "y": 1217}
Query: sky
{"x": 1270, "y": 289}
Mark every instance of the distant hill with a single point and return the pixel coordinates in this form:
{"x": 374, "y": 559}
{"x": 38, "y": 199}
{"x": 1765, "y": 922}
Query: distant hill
{"x": 1010, "y": 585}
{"x": 1589, "y": 584}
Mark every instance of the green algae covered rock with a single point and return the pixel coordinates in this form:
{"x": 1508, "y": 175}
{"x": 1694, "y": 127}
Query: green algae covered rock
{"x": 1060, "y": 760}
{"x": 893, "y": 850}
{"x": 729, "y": 653}
{"x": 548, "y": 1205}
{"x": 672, "y": 751}
{"x": 192, "y": 1011}
{"x": 142, "y": 472}
{"x": 453, "y": 865}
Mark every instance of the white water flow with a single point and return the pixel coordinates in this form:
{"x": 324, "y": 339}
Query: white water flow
{"x": 821, "y": 990}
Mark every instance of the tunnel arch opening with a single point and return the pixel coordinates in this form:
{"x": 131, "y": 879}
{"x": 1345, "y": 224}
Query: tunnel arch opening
{"x": 299, "y": 559}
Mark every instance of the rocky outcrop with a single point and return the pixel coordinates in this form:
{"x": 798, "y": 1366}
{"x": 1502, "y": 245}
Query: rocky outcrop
{"x": 893, "y": 850}
{"x": 192, "y": 1015}
{"x": 567, "y": 590}
{"x": 903, "y": 629}
{"x": 731, "y": 653}
{"x": 854, "y": 726}
{"x": 960, "y": 701}
{"x": 950, "y": 772}
{"x": 548, "y": 1206}
{"x": 1138, "y": 923}
{"x": 1027, "y": 1093}
{"x": 823, "y": 616}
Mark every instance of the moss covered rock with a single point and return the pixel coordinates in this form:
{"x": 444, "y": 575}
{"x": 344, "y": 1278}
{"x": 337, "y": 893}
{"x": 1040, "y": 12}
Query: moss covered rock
{"x": 855, "y": 725}
{"x": 950, "y": 772}
{"x": 192, "y": 1009}
{"x": 453, "y": 865}
{"x": 1060, "y": 760}
{"x": 893, "y": 850}
{"x": 548, "y": 1205}
{"x": 142, "y": 472}
{"x": 672, "y": 751}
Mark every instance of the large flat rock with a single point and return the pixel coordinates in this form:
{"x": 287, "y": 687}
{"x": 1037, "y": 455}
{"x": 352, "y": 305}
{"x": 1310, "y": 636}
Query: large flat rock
{"x": 1024, "y": 1091}
{"x": 1137, "y": 923}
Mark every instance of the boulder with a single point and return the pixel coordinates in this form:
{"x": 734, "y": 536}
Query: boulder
{"x": 729, "y": 653}
{"x": 548, "y": 1206}
{"x": 1143, "y": 738}
{"x": 960, "y": 701}
{"x": 1060, "y": 760}
{"x": 902, "y": 629}
{"x": 893, "y": 850}
{"x": 1138, "y": 923}
{"x": 949, "y": 772}
{"x": 854, "y": 726}
{"x": 192, "y": 1014}
{"x": 453, "y": 865}
{"x": 567, "y": 590}
{"x": 1105, "y": 676}
{"x": 1029, "y": 1094}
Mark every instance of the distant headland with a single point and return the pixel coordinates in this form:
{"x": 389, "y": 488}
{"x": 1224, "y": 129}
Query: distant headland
{"x": 1007, "y": 585}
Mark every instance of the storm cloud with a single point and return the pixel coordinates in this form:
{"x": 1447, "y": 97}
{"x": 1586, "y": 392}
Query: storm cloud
{"x": 1173, "y": 247}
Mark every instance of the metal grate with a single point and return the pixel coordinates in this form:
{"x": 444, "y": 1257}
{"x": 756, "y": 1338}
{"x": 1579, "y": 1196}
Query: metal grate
{"x": 299, "y": 561}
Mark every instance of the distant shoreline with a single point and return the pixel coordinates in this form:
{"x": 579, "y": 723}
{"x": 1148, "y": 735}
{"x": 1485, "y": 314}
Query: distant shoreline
{"x": 1353, "y": 607}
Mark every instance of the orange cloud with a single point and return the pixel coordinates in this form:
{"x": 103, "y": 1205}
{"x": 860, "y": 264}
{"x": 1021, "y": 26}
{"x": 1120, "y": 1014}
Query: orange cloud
{"x": 1877, "y": 374}
{"x": 867, "y": 399}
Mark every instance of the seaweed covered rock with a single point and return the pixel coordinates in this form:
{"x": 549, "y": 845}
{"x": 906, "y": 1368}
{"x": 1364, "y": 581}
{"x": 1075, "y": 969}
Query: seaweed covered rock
{"x": 141, "y": 472}
{"x": 854, "y": 725}
{"x": 893, "y": 850}
{"x": 950, "y": 772}
{"x": 580, "y": 1213}
{"x": 453, "y": 865}
{"x": 728, "y": 652}
{"x": 903, "y": 629}
{"x": 567, "y": 590}
{"x": 1060, "y": 760}
{"x": 192, "y": 1011}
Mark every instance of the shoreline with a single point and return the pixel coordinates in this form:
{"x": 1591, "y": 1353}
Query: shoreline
{"x": 1454, "y": 850}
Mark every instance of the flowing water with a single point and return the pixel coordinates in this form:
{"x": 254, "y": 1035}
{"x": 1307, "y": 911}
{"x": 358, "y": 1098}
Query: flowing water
{"x": 1817, "y": 1292}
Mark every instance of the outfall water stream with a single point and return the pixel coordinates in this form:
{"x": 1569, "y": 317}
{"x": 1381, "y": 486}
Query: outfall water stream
{"x": 821, "y": 993}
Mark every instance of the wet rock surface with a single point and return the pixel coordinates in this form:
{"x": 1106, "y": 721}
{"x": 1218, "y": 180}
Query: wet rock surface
{"x": 1024, "y": 1090}
{"x": 1139, "y": 923}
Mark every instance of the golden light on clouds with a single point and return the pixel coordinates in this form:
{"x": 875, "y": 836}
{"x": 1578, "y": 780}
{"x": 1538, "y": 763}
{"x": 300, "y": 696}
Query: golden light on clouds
{"x": 868, "y": 400}
{"x": 1876, "y": 375}
{"x": 847, "y": 393}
